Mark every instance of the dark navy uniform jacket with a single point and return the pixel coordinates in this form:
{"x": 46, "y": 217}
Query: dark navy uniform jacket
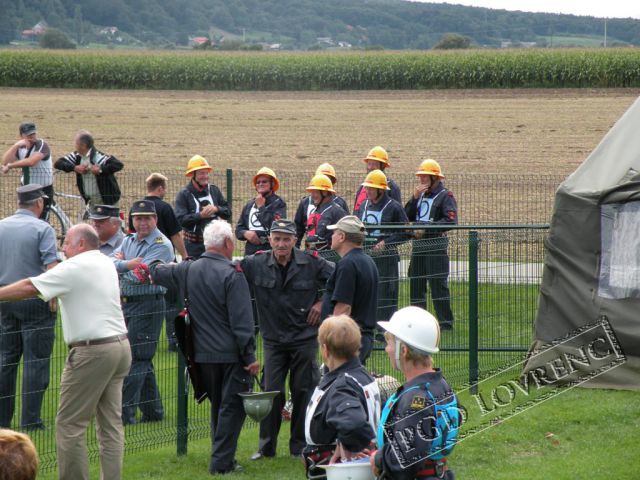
{"x": 313, "y": 221}
{"x": 190, "y": 201}
{"x": 284, "y": 303}
{"x": 219, "y": 307}
{"x": 408, "y": 404}
{"x": 304, "y": 207}
{"x": 386, "y": 211}
{"x": 438, "y": 207}
{"x": 342, "y": 415}
{"x": 259, "y": 220}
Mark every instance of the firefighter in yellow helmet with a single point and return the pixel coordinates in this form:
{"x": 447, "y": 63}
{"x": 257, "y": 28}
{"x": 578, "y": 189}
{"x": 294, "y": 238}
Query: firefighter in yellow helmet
{"x": 432, "y": 204}
{"x": 380, "y": 209}
{"x": 197, "y": 204}
{"x": 259, "y": 213}
{"x": 306, "y": 206}
{"x": 324, "y": 211}
{"x": 377, "y": 159}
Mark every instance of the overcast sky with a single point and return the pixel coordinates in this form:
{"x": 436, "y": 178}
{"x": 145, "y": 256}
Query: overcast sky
{"x": 596, "y": 8}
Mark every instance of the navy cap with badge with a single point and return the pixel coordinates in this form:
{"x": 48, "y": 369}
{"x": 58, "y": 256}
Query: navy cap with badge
{"x": 27, "y": 128}
{"x": 283, "y": 226}
{"x": 102, "y": 212}
{"x": 143, "y": 207}
{"x": 28, "y": 193}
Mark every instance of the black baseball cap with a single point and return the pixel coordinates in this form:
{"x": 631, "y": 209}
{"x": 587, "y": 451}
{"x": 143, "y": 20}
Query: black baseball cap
{"x": 284, "y": 226}
{"x": 27, "y": 128}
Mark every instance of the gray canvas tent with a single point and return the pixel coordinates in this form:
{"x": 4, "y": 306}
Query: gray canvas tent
{"x": 592, "y": 254}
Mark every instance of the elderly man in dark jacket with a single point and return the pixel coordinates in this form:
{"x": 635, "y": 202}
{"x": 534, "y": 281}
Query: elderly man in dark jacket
{"x": 223, "y": 332}
{"x": 287, "y": 285}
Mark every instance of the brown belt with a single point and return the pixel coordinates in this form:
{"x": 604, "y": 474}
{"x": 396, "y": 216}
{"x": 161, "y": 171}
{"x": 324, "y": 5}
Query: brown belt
{"x": 98, "y": 341}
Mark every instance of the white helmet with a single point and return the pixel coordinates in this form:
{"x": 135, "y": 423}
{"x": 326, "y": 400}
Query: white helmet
{"x": 416, "y": 327}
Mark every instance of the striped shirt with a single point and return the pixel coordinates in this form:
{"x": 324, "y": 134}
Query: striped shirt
{"x": 41, "y": 172}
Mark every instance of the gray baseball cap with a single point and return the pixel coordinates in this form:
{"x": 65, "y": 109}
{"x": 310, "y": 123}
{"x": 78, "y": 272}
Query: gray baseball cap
{"x": 348, "y": 224}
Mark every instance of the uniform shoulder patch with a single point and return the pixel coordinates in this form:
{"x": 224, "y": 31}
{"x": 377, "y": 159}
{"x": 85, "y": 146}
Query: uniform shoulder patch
{"x": 418, "y": 402}
{"x": 158, "y": 240}
{"x": 450, "y": 193}
{"x": 451, "y": 214}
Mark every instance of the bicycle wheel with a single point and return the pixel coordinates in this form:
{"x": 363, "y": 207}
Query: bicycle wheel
{"x": 60, "y": 223}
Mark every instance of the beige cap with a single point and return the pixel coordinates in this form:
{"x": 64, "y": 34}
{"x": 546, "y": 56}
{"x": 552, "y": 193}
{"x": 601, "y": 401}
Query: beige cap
{"x": 348, "y": 224}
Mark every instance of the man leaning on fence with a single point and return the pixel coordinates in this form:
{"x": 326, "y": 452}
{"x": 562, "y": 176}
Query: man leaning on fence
{"x": 223, "y": 334}
{"x": 86, "y": 285}
{"x": 27, "y": 248}
{"x": 144, "y": 310}
{"x": 94, "y": 171}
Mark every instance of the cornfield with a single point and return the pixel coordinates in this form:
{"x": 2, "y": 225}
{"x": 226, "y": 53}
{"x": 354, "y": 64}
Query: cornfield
{"x": 322, "y": 71}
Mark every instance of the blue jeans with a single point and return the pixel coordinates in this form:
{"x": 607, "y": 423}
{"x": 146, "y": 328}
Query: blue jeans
{"x": 26, "y": 329}
{"x": 140, "y": 390}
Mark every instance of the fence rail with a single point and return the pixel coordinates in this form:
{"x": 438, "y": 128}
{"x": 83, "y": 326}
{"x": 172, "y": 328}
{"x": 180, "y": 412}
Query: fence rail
{"x": 494, "y": 281}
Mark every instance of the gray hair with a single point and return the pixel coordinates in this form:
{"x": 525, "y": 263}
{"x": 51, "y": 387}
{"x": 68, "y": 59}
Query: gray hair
{"x": 29, "y": 204}
{"x": 216, "y": 233}
{"x": 85, "y": 137}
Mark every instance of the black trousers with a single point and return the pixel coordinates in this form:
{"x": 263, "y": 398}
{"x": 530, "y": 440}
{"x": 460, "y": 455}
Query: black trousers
{"x": 194, "y": 250}
{"x": 430, "y": 263}
{"x": 300, "y": 362}
{"x": 388, "y": 283}
{"x": 223, "y": 382}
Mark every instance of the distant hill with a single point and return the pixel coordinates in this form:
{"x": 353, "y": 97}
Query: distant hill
{"x": 302, "y": 24}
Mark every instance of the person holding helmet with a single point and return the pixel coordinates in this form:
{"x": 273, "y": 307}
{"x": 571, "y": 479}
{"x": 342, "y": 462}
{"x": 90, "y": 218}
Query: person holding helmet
{"x": 260, "y": 212}
{"x": 431, "y": 204}
{"x": 197, "y": 204}
{"x": 413, "y": 336}
{"x": 377, "y": 159}
{"x": 378, "y": 209}
{"x": 306, "y": 205}
{"x": 325, "y": 211}
{"x": 342, "y": 416}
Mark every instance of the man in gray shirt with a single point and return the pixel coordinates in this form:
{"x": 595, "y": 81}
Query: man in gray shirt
{"x": 27, "y": 249}
{"x": 107, "y": 222}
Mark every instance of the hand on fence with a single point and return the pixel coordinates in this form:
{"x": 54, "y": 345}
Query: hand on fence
{"x": 142, "y": 273}
{"x": 5, "y": 168}
{"x": 253, "y": 368}
{"x": 379, "y": 247}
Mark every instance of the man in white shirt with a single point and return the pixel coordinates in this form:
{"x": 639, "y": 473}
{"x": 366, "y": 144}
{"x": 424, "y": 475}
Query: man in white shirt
{"x": 87, "y": 287}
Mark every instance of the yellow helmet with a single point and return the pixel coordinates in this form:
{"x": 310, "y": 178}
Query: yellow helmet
{"x": 376, "y": 179}
{"x": 378, "y": 154}
{"x": 197, "y": 162}
{"x": 328, "y": 170}
{"x": 430, "y": 167}
{"x": 321, "y": 182}
{"x": 269, "y": 173}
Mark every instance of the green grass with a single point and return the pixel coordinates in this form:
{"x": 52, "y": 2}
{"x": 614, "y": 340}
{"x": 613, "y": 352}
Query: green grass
{"x": 595, "y": 436}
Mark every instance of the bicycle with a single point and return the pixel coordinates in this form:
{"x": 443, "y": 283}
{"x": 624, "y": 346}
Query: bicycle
{"x": 59, "y": 220}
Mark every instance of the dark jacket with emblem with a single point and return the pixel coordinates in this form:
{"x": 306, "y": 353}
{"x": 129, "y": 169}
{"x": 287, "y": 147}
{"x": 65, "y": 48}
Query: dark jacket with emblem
{"x": 407, "y": 405}
{"x": 219, "y": 307}
{"x": 341, "y": 414}
{"x": 301, "y": 215}
{"x": 444, "y": 210}
{"x": 106, "y": 180}
{"x": 392, "y": 213}
{"x": 187, "y": 212}
{"x": 283, "y": 306}
{"x": 273, "y": 209}
{"x": 326, "y": 214}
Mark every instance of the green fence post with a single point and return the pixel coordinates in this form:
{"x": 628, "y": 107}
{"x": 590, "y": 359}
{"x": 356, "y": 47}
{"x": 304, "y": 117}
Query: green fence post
{"x": 182, "y": 423}
{"x": 473, "y": 310}
{"x": 230, "y": 191}
{"x": 25, "y": 175}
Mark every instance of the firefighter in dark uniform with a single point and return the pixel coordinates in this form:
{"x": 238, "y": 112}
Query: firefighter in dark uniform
{"x": 432, "y": 204}
{"x": 224, "y": 344}
{"x": 325, "y": 211}
{"x": 197, "y": 204}
{"x": 377, "y": 159}
{"x": 306, "y": 205}
{"x": 287, "y": 285}
{"x": 343, "y": 413}
{"x": 426, "y": 401}
{"x": 143, "y": 307}
{"x": 379, "y": 209}
{"x": 260, "y": 212}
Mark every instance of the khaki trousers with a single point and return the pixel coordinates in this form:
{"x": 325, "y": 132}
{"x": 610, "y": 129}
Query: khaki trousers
{"x": 92, "y": 385}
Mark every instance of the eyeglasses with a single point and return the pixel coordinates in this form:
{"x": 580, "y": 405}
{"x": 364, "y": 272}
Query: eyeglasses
{"x": 259, "y": 182}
